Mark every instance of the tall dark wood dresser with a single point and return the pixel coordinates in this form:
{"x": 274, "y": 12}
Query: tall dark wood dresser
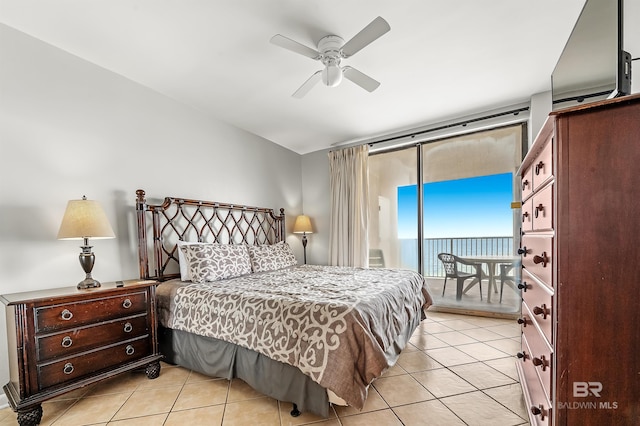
{"x": 580, "y": 357}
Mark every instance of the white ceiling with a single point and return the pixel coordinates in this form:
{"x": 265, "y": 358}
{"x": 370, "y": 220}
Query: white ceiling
{"x": 441, "y": 60}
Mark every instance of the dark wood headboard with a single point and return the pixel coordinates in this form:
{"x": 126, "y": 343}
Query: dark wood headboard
{"x": 196, "y": 220}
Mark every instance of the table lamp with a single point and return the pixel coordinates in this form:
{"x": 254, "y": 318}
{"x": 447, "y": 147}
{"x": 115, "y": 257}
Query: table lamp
{"x": 84, "y": 219}
{"x": 303, "y": 226}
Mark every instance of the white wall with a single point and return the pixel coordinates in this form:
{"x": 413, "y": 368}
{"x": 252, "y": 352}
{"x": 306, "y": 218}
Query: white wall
{"x": 316, "y": 204}
{"x": 69, "y": 128}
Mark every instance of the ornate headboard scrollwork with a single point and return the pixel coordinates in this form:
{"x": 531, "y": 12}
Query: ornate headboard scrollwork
{"x": 196, "y": 220}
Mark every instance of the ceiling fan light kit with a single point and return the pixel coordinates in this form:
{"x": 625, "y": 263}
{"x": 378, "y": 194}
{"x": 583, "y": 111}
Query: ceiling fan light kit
{"x": 331, "y": 50}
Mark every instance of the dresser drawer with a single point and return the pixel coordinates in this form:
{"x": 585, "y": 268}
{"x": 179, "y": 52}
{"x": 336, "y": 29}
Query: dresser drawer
{"x": 527, "y": 216}
{"x": 542, "y": 166}
{"x": 71, "y": 315}
{"x": 539, "y": 301}
{"x": 537, "y": 256}
{"x": 539, "y": 356}
{"x": 80, "y": 339}
{"x": 542, "y": 209}
{"x": 76, "y": 367}
{"x": 527, "y": 183}
{"x": 536, "y": 401}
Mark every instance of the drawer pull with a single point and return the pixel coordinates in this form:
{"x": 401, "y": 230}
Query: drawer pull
{"x": 540, "y": 362}
{"x": 539, "y": 208}
{"x": 541, "y": 310}
{"x": 128, "y": 327}
{"x": 539, "y": 411}
{"x": 67, "y": 342}
{"x": 522, "y": 355}
{"x": 525, "y": 215}
{"x": 524, "y": 286}
{"x": 522, "y": 321}
{"x": 539, "y": 167}
{"x": 66, "y": 315}
{"x": 126, "y": 304}
{"x": 523, "y": 251}
{"x": 544, "y": 259}
{"x": 68, "y": 368}
{"x": 129, "y": 350}
{"x": 525, "y": 183}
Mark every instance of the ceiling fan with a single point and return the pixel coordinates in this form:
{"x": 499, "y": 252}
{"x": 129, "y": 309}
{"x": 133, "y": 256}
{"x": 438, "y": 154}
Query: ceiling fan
{"x": 331, "y": 50}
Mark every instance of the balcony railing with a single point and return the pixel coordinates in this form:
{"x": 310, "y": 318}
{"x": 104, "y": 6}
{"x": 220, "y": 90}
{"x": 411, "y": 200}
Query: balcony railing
{"x": 465, "y": 246}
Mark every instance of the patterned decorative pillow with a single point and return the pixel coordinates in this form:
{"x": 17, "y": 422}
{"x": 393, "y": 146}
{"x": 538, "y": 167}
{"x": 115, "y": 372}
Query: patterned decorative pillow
{"x": 271, "y": 257}
{"x": 212, "y": 262}
{"x": 184, "y": 265}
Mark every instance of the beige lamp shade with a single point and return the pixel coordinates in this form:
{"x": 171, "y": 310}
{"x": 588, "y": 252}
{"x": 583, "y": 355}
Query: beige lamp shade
{"x": 84, "y": 219}
{"x": 302, "y": 225}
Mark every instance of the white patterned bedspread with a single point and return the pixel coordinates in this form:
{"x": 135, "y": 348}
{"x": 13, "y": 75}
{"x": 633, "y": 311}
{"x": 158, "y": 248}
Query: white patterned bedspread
{"x": 333, "y": 323}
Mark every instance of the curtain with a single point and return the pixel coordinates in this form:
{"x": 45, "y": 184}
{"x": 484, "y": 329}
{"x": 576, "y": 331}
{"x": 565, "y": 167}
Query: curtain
{"x": 349, "y": 186}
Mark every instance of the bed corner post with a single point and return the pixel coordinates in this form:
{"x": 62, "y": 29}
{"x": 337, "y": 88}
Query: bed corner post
{"x": 142, "y": 234}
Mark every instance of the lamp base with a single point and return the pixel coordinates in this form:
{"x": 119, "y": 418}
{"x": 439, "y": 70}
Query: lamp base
{"x": 88, "y": 283}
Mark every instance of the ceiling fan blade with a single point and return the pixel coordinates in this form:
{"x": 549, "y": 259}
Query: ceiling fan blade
{"x": 370, "y": 33}
{"x": 362, "y": 80}
{"x": 308, "y": 85}
{"x": 294, "y": 46}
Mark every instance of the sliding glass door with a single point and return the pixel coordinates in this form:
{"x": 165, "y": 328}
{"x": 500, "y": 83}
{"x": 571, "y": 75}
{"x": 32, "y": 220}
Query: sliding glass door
{"x": 463, "y": 208}
{"x": 393, "y": 228}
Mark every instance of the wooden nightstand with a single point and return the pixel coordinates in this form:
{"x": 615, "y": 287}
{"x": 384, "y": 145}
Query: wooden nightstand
{"x": 63, "y": 339}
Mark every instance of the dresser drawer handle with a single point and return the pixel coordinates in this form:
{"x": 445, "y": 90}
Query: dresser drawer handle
{"x": 541, "y": 310}
{"x": 540, "y": 362}
{"x": 67, "y": 342}
{"x": 523, "y": 251}
{"x": 524, "y": 286}
{"x": 522, "y": 321}
{"x": 525, "y": 215}
{"x": 126, "y": 304}
{"x": 544, "y": 259}
{"x": 128, "y": 327}
{"x": 525, "y": 183}
{"x": 522, "y": 355}
{"x": 129, "y": 350}
{"x": 539, "y": 208}
{"x": 539, "y": 167}
{"x": 67, "y": 315}
{"x": 68, "y": 368}
{"x": 539, "y": 411}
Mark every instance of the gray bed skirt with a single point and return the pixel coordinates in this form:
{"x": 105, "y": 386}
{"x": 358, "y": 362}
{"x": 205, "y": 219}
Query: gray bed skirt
{"x": 217, "y": 358}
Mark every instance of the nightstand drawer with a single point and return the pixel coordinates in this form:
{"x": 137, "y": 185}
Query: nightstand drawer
{"x": 70, "y": 315}
{"x": 76, "y": 367}
{"x": 80, "y": 339}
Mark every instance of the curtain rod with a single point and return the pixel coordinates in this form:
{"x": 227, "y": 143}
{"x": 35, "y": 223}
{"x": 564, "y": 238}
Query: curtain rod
{"x": 462, "y": 123}
{"x": 412, "y": 134}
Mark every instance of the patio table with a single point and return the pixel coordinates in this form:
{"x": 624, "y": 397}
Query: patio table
{"x": 491, "y": 262}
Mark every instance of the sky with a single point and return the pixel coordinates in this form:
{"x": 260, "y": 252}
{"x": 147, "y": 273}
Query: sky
{"x": 473, "y": 207}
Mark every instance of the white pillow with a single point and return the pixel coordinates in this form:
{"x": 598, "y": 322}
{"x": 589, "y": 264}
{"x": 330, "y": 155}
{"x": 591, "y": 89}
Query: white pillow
{"x": 271, "y": 257}
{"x": 213, "y": 262}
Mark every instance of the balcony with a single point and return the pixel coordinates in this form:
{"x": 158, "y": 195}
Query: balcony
{"x": 463, "y": 247}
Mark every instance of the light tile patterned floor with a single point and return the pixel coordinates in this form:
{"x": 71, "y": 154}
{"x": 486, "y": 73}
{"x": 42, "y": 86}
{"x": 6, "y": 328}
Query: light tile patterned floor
{"x": 457, "y": 370}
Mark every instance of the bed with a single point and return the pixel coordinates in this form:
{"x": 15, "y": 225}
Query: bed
{"x": 234, "y": 303}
